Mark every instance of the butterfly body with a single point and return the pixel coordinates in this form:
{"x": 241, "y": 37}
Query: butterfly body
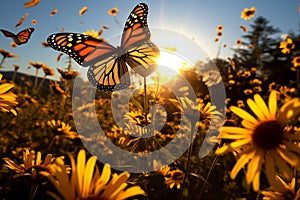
{"x": 21, "y": 38}
{"x": 108, "y": 65}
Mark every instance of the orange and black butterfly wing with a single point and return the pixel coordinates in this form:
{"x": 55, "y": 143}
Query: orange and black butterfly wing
{"x": 136, "y": 29}
{"x": 143, "y": 58}
{"x": 23, "y": 36}
{"x": 7, "y": 33}
{"x": 141, "y": 52}
{"x": 109, "y": 74}
{"x": 85, "y": 50}
{"x": 10, "y": 34}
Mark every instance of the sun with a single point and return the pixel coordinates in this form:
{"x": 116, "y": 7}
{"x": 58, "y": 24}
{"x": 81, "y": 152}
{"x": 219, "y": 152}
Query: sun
{"x": 169, "y": 63}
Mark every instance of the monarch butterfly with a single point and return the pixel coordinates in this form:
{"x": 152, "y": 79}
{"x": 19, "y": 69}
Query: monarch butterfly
{"x": 21, "y": 38}
{"x": 108, "y": 69}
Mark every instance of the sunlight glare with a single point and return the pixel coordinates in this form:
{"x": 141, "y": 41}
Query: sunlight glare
{"x": 170, "y": 60}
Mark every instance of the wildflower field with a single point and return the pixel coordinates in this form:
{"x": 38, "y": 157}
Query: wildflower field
{"x": 225, "y": 128}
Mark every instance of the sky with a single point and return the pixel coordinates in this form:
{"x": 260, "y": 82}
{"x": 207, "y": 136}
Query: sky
{"x": 196, "y": 20}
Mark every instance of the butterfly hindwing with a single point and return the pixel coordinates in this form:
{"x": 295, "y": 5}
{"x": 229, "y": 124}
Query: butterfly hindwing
{"x": 109, "y": 74}
{"x": 136, "y": 29}
{"x": 80, "y": 47}
{"x": 143, "y": 58}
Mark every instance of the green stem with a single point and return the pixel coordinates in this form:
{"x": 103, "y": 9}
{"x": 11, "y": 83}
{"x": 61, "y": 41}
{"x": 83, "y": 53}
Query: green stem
{"x": 208, "y": 175}
{"x": 14, "y": 76}
{"x": 33, "y": 189}
{"x": 2, "y": 61}
{"x": 51, "y": 143}
{"x": 36, "y": 77}
{"x": 41, "y": 83}
{"x": 145, "y": 100}
{"x": 188, "y": 158}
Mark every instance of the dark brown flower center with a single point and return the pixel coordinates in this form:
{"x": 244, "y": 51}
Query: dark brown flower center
{"x": 249, "y": 13}
{"x": 177, "y": 176}
{"x": 268, "y": 135}
{"x": 289, "y": 46}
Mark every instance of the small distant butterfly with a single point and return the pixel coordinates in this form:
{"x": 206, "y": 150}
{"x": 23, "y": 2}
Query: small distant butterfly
{"x": 108, "y": 70}
{"x": 32, "y": 3}
{"x": 21, "y": 38}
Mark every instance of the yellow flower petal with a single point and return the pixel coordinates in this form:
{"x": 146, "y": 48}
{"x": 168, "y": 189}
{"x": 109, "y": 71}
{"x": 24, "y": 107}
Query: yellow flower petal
{"x": 243, "y": 114}
{"x": 282, "y": 166}
{"x": 248, "y": 125}
{"x": 273, "y": 104}
{"x": 257, "y": 111}
{"x": 224, "y": 149}
{"x": 242, "y": 161}
{"x": 262, "y": 105}
{"x": 80, "y": 168}
{"x": 135, "y": 190}
{"x": 270, "y": 168}
{"x": 240, "y": 143}
{"x": 253, "y": 166}
{"x": 289, "y": 157}
{"x": 105, "y": 176}
{"x": 88, "y": 175}
{"x": 256, "y": 182}
{"x": 234, "y": 130}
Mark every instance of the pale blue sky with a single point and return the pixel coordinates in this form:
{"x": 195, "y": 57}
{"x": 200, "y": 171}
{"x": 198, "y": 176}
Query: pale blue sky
{"x": 196, "y": 19}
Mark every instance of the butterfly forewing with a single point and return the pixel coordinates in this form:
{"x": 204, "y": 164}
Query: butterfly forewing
{"x": 136, "y": 29}
{"x": 143, "y": 59}
{"x": 109, "y": 74}
{"x": 7, "y": 33}
{"x": 80, "y": 47}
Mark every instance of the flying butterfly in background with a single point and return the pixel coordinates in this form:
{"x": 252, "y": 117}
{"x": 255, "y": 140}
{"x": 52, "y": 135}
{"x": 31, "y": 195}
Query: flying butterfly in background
{"x": 108, "y": 70}
{"x": 21, "y": 38}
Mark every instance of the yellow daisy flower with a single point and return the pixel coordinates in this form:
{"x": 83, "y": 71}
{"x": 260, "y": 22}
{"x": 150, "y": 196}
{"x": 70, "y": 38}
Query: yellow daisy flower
{"x": 61, "y": 128}
{"x": 248, "y": 13}
{"x": 32, "y": 163}
{"x": 34, "y": 22}
{"x": 296, "y": 62}
{"x": 113, "y": 11}
{"x": 68, "y": 74}
{"x": 282, "y": 191}
{"x": 287, "y": 46}
{"x": 239, "y": 42}
{"x": 220, "y": 28}
{"x": 175, "y": 178}
{"x": 13, "y": 45}
{"x": 92, "y": 33}
{"x": 87, "y": 183}
{"x": 138, "y": 118}
{"x": 7, "y": 99}
{"x": 207, "y": 111}
{"x": 253, "y": 140}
